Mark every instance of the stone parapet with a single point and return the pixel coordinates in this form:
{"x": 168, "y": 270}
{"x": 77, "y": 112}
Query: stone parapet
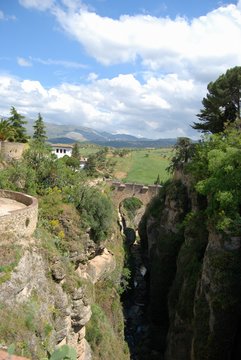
{"x": 11, "y": 150}
{"x": 22, "y": 222}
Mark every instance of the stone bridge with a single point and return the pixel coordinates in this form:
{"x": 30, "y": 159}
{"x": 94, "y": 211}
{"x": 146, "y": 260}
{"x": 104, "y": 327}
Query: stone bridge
{"x": 121, "y": 191}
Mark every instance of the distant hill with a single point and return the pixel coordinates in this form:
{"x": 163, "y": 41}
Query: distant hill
{"x": 68, "y": 134}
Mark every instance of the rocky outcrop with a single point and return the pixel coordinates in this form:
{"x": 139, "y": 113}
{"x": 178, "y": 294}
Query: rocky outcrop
{"x": 98, "y": 268}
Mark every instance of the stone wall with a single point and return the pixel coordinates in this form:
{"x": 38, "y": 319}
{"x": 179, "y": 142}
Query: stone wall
{"x": 21, "y": 222}
{"x": 11, "y": 150}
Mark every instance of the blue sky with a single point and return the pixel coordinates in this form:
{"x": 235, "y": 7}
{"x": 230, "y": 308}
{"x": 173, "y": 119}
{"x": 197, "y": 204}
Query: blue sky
{"x": 137, "y": 67}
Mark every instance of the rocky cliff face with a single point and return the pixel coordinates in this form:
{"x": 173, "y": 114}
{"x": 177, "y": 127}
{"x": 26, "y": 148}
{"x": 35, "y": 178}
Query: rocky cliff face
{"x": 195, "y": 279}
{"x": 45, "y": 299}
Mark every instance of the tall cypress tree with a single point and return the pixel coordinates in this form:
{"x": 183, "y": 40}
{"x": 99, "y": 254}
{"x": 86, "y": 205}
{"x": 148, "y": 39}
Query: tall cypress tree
{"x": 39, "y": 130}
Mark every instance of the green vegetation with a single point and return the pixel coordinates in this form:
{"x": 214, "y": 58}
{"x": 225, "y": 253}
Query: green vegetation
{"x": 76, "y": 151}
{"x": 6, "y": 130}
{"x": 216, "y": 170}
{"x": 222, "y": 103}
{"x": 143, "y": 166}
{"x": 100, "y": 163}
{"x": 9, "y": 257}
{"x": 20, "y": 324}
{"x": 55, "y": 183}
{"x": 184, "y": 150}
{"x": 17, "y": 121}
{"x": 88, "y": 149}
{"x": 105, "y": 330}
{"x": 39, "y": 134}
{"x": 131, "y": 205}
{"x": 65, "y": 352}
{"x": 96, "y": 211}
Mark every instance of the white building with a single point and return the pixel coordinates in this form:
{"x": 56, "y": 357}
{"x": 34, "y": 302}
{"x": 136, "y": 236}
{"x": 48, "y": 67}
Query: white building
{"x": 60, "y": 150}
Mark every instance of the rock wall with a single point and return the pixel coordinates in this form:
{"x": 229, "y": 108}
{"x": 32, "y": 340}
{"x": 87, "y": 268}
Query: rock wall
{"x": 66, "y": 315}
{"x": 53, "y": 300}
{"x": 195, "y": 272}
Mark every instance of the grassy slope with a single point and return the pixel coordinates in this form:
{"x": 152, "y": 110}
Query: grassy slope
{"x": 143, "y": 166}
{"x": 86, "y": 150}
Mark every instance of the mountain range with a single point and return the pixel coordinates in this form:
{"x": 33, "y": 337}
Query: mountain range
{"x": 68, "y": 134}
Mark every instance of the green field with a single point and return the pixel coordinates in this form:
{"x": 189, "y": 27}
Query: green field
{"x": 86, "y": 150}
{"x": 143, "y": 166}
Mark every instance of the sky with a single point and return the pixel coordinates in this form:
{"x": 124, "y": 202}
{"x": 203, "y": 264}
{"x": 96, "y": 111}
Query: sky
{"x": 139, "y": 67}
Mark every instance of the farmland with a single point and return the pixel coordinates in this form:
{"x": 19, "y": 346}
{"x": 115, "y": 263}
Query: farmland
{"x": 139, "y": 166}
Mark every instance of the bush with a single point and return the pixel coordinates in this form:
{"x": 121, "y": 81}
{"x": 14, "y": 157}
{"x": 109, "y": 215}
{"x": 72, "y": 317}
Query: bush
{"x": 96, "y": 210}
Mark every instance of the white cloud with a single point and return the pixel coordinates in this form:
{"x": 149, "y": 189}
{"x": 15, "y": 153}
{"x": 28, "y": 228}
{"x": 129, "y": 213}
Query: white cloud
{"x": 150, "y": 109}
{"x": 31, "y": 87}
{"x": 64, "y": 63}
{"x": 6, "y": 17}
{"x": 37, "y": 4}
{"x": 160, "y": 43}
{"x": 92, "y": 76}
{"x": 23, "y": 62}
{"x": 178, "y": 57}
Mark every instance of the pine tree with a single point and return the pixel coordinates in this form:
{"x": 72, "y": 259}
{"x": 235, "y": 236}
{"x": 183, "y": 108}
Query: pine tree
{"x": 17, "y": 121}
{"x": 39, "y": 130}
{"x": 222, "y": 103}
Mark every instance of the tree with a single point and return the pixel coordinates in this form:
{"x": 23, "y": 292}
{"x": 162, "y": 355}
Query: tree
{"x": 222, "y": 102}
{"x": 72, "y": 162}
{"x": 76, "y": 151}
{"x": 39, "y": 130}
{"x": 96, "y": 210}
{"x": 17, "y": 121}
{"x": 215, "y": 170}
{"x": 184, "y": 150}
{"x": 6, "y": 130}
